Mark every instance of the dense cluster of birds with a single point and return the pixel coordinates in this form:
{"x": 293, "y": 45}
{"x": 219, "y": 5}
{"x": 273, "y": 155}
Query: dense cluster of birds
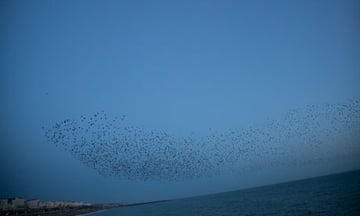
{"x": 113, "y": 147}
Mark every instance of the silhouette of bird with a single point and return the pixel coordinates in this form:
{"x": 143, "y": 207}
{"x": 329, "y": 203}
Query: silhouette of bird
{"x": 113, "y": 147}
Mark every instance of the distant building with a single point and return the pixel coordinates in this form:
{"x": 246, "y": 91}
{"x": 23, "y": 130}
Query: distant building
{"x": 4, "y": 204}
{"x": 12, "y": 203}
{"x": 58, "y": 204}
{"x": 32, "y": 204}
{"x": 18, "y": 203}
{"x": 47, "y": 204}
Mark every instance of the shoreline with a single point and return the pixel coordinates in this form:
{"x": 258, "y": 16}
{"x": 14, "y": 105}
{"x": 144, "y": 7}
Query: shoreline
{"x": 91, "y": 212}
{"x": 82, "y": 211}
{"x": 57, "y": 212}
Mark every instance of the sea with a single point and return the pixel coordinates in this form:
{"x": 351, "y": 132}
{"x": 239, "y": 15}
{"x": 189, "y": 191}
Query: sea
{"x": 337, "y": 194}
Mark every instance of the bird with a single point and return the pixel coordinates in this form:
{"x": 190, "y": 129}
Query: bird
{"x": 112, "y": 146}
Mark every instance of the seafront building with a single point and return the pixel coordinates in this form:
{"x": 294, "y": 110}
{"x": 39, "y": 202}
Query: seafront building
{"x": 20, "y": 203}
{"x": 12, "y": 203}
{"x": 32, "y": 204}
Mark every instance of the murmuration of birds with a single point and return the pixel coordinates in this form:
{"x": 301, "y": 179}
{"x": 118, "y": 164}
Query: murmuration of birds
{"x": 302, "y": 136}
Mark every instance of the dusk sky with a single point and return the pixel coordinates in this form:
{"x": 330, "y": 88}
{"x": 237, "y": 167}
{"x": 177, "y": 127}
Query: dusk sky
{"x": 187, "y": 68}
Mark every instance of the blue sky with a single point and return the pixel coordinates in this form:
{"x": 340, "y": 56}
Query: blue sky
{"x": 176, "y": 66}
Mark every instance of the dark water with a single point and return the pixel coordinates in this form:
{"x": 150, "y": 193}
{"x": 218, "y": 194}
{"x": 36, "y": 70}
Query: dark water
{"x": 337, "y": 194}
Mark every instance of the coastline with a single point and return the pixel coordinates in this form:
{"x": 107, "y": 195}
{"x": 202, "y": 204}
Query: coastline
{"x": 91, "y": 212}
{"x": 82, "y": 211}
{"x": 58, "y": 212}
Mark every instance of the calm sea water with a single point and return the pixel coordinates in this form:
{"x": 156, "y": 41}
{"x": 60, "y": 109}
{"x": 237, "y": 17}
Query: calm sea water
{"x": 328, "y": 195}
